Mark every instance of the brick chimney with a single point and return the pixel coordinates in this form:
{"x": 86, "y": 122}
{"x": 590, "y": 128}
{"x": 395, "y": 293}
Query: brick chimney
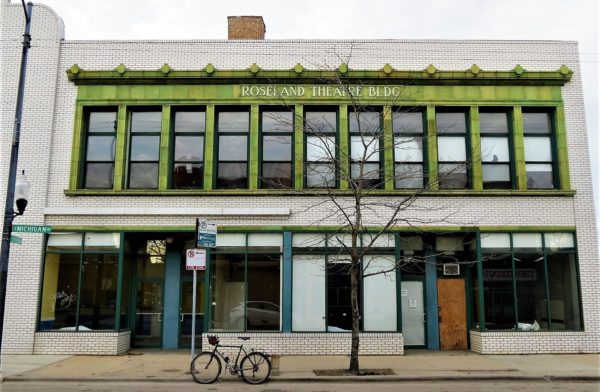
{"x": 246, "y": 27}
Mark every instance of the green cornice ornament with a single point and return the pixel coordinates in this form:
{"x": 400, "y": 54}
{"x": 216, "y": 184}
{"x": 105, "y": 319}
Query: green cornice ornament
{"x": 209, "y": 69}
{"x": 298, "y": 68}
{"x": 387, "y": 69}
{"x": 254, "y": 68}
{"x": 165, "y": 69}
{"x": 343, "y": 68}
{"x": 431, "y": 69}
{"x": 518, "y": 70}
{"x": 564, "y": 70}
{"x": 121, "y": 69}
{"x": 475, "y": 70}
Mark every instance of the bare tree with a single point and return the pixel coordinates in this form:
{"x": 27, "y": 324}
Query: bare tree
{"x": 363, "y": 215}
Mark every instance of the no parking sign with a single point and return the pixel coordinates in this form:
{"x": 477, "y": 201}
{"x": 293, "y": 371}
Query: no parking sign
{"x": 195, "y": 259}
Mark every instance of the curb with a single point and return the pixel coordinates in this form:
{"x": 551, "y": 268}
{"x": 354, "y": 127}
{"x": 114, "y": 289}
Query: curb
{"x": 324, "y": 379}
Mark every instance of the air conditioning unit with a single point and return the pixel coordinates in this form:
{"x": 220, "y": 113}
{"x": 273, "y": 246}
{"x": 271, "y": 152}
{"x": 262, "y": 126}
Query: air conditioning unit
{"x": 452, "y": 269}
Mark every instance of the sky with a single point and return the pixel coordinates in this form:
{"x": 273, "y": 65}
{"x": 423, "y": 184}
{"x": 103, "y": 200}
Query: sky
{"x": 354, "y": 19}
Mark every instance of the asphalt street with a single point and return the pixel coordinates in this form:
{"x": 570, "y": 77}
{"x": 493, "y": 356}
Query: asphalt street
{"x": 428, "y": 386}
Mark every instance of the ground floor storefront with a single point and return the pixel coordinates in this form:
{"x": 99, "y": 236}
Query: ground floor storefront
{"x": 105, "y": 292}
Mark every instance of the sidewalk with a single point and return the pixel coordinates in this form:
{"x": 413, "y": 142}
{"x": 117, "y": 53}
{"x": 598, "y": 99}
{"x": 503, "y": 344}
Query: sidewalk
{"x": 155, "y": 366}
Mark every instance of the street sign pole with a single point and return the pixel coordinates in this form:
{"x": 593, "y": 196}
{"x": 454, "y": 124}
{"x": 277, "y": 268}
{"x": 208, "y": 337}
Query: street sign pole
{"x": 194, "y": 314}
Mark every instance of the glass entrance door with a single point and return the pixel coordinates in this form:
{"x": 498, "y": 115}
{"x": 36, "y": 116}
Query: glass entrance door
{"x": 413, "y": 313}
{"x": 185, "y": 317}
{"x": 148, "y": 313}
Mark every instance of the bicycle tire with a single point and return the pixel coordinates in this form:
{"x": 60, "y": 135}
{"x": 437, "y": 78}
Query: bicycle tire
{"x": 205, "y": 367}
{"x": 255, "y": 368}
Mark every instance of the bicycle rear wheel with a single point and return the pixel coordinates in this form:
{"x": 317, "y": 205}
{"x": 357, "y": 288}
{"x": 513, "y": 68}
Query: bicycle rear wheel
{"x": 255, "y": 368}
{"x": 205, "y": 367}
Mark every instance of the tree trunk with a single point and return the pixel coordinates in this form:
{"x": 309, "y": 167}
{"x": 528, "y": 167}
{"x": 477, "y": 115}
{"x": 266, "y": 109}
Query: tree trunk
{"x": 354, "y": 367}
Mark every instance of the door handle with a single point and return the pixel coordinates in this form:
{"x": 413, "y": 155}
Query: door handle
{"x": 181, "y": 320}
{"x": 160, "y": 317}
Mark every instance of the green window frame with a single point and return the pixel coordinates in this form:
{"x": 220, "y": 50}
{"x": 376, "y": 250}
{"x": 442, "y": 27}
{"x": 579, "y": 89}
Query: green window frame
{"x": 539, "y": 137}
{"x": 497, "y": 150}
{"x": 187, "y": 165}
{"x": 228, "y": 135}
{"x": 366, "y": 147}
{"x": 143, "y": 163}
{"x": 410, "y": 163}
{"x": 321, "y": 147}
{"x": 88, "y": 249}
{"x": 277, "y": 126}
{"x": 452, "y": 136}
{"x": 100, "y": 125}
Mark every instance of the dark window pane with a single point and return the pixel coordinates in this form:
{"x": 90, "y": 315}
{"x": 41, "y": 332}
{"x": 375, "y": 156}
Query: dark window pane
{"x": 320, "y": 175}
{"x": 276, "y": 175}
{"x": 233, "y": 122}
{"x": 451, "y": 122}
{"x": 146, "y": 121}
{"x": 452, "y": 176}
{"x": 496, "y": 177}
{"x": 539, "y": 176}
{"x": 536, "y": 122}
{"x": 408, "y": 122}
{"x": 189, "y": 148}
{"x": 564, "y": 292}
{"x": 188, "y": 175}
{"x": 59, "y": 292}
{"x": 498, "y": 292}
{"x": 100, "y": 148}
{"x": 145, "y": 148}
{"x": 228, "y": 287}
{"x": 143, "y": 175}
{"x": 99, "y": 175}
{"x": 370, "y": 176}
{"x": 321, "y": 122}
{"x": 408, "y": 176}
{"x": 277, "y": 148}
{"x": 531, "y": 290}
{"x": 98, "y": 296}
{"x": 102, "y": 122}
{"x": 262, "y": 312}
{"x": 339, "y": 310}
{"x": 274, "y": 121}
{"x": 493, "y": 122}
{"x": 365, "y": 122}
{"x": 233, "y": 148}
{"x": 232, "y": 175}
{"x": 189, "y": 121}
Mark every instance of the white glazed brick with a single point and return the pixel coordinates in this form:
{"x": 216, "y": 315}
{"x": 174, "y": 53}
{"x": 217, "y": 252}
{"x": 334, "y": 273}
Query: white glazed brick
{"x": 312, "y": 343}
{"x": 48, "y": 130}
{"x": 88, "y": 343}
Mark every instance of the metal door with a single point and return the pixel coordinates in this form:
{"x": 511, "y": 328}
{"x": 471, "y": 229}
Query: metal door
{"x": 413, "y": 313}
{"x": 148, "y": 313}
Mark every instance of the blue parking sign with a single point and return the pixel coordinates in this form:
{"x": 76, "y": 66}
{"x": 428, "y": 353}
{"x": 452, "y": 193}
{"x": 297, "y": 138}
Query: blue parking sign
{"x": 206, "y": 234}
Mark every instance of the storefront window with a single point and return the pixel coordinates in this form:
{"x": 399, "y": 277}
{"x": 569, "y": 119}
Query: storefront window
{"x": 79, "y": 286}
{"x": 228, "y": 291}
{"x": 263, "y": 310}
{"x": 498, "y": 294}
{"x": 379, "y": 293}
{"x": 308, "y": 293}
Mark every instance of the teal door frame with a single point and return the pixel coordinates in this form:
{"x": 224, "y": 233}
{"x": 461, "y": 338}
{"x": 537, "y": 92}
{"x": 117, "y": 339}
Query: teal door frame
{"x": 171, "y": 304}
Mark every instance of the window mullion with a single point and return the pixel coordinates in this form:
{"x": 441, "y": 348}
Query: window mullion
{"x": 209, "y": 147}
{"x": 165, "y": 153}
{"x": 519, "y": 148}
{"x": 475, "y": 150}
{"x": 432, "y": 155}
{"x": 253, "y": 142}
{"x": 120, "y": 150}
{"x": 342, "y": 152}
{"x": 389, "y": 165}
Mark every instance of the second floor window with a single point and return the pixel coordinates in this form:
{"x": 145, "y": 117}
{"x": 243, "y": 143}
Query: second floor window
{"x": 188, "y": 156}
{"x": 408, "y": 149}
{"x": 232, "y": 167}
{"x": 539, "y": 155}
{"x": 144, "y": 151}
{"x": 276, "y": 132}
{"x": 452, "y": 149}
{"x": 101, "y": 129}
{"x": 365, "y": 135}
{"x": 320, "y": 131}
{"x": 495, "y": 150}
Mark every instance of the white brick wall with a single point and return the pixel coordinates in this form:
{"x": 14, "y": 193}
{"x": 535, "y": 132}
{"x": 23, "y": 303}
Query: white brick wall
{"x": 531, "y": 342}
{"x": 311, "y": 343}
{"x": 82, "y": 343}
{"x": 48, "y": 126}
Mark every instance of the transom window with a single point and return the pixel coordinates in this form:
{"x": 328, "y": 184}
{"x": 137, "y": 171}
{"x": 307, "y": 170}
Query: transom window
{"x": 539, "y": 155}
{"x": 365, "y": 154}
{"x": 101, "y": 132}
{"x": 277, "y": 127}
{"x": 452, "y": 149}
{"x": 495, "y": 149}
{"x": 320, "y": 129}
{"x": 408, "y": 149}
{"x": 232, "y": 167}
{"x": 188, "y": 154}
{"x": 144, "y": 152}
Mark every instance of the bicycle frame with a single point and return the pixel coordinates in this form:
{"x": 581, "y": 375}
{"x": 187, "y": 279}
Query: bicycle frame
{"x": 229, "y": 363}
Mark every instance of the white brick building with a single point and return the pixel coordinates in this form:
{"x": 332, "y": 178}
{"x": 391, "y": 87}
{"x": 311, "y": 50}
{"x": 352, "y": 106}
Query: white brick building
{"x": 113, "y": 174}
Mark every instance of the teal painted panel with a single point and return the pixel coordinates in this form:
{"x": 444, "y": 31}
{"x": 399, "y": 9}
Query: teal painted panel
{"x": 287, "y": 283}
{"x": 433, "y": 328}
{"x": 171, "y": 300}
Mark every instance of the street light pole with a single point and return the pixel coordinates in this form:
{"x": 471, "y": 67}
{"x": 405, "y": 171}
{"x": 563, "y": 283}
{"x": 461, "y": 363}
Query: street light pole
{"x": 9, "y": 212}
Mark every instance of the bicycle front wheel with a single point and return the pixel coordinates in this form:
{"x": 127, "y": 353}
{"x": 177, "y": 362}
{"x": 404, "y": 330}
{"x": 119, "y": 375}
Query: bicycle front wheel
{"x": 255, "y": 368}
{"x": 205, "y": 367}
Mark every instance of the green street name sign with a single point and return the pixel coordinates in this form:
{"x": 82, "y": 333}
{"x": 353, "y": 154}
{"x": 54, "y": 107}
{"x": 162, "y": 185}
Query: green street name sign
{"x": 31, "y": 229}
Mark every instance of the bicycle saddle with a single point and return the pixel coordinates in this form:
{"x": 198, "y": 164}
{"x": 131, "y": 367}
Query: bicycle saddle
{"x": 243, "y": 337}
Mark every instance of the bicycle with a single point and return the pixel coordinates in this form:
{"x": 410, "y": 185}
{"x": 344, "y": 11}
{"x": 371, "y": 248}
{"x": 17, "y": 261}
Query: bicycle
{"x": 255, "y": 366}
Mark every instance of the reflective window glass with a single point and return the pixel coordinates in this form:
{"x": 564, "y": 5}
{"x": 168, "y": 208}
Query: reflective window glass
{"x": 146, "y": 121}
{"x": 539, "y": 176}
{"x": 364, "y": 122}
{"x": 234, "y": 121}
{"x": 451, "y": 122}
{"x": 538, "y": 149}
{"x": 101, "y": 148}
{"x": 277, "y": 148}
{"x": 277, "y": 121}
{"x": 233, "y": 148}
{"x": 364, "y": 148}
{"x": 494, "y": 149}
{"x": 408, "y": 176}
{"x": 190, "y": 121}
{"x": 102, "y": 122}
{"x": 145, "y": 148}
{"x": 493, "y": 122}
{"x": 407, "y": 122}
{"x": 408, "y": 149}
{"x": 536, "y": 122}
{"x": 189, "y": 148}
{"x": 451, "y": 149}
{"x": 143, "y": 175}
{"x": 320, "y": 122}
